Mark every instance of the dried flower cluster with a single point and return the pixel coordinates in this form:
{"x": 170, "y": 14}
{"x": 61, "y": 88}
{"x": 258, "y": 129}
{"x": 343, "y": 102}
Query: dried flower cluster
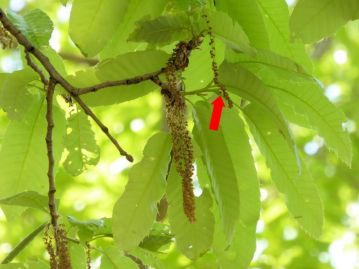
{"x": 88, "y": 255}
{"x": 59, "y": 259}
{"x": 7, "y": 40}
{"x": 177, "y": 121}
{"x": 216, "y": 81}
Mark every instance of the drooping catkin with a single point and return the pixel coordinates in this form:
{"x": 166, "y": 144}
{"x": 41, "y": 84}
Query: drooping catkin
{"x": 177, "y": 122}
{"x": 88, "y": 255}
{"x": 63, "y": 252}
{"x": 7, "y": 40}
{"x": 212, "y": 52}
{"x": 49, "y": 244}
{"x": 59, "y": 258}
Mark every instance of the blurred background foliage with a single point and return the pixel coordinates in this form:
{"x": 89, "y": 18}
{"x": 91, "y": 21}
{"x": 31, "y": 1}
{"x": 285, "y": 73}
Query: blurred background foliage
{"x": 280, "y": 243}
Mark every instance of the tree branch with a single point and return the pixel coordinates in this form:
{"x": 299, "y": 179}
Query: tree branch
{"x": 104, "y": 129}
{"x": 50, "y": 155}
{"x": 129, "y": 81}
{"x": 30, "y": 63}
{"x": 55, "y": 75}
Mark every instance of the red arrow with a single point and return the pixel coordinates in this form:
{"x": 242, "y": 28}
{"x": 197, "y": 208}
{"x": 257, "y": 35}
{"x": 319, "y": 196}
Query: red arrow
{"x": 218, "y": 105}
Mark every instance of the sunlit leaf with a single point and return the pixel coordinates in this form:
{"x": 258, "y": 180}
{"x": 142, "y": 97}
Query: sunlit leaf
{"x": 135, "y": 211}
{"x": 276, "y": 17}
{"x": 313, "y": 20}
{"x": 296, "y": 184}
{"x": 193, "y": 239}
{"x": 243, "y": 83}
{"x": 248, "y": 15}
{"x": 122, "y": 67}
{"x": 80, "y": 143}
{"x": 89, "y": 228}
{"x": 114, "y": 258}
{"x": 137, "y": 9}
{"x": 23, "y": 156}
{"x": 158, "y": 238}
{"x": 163, "y": 30}
{"x": 93, "y": 23}
{"x": 15, "y": 97}
{"x": 220, "y": 168}
{"x": 35, "y": 25}
{"x": 307, "y": 99}
{"x": 230, "y": 32}
{"x": 241, "y": 251}
{"x": 27, "y": 199}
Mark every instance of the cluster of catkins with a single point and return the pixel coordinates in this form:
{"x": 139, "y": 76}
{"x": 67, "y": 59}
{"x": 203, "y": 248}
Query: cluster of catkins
{"x": 216, "y": 80}
{"x": 177, "y": 122}
{"x": 7, "y": 40}
{"x": 59, "y": 258}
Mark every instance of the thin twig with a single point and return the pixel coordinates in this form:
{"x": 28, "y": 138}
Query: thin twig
{"x": 50, "y": 156}
{"x": 23, "y": 243}
{"x": 54, "y": 74}
{"x": 30, "y": 63}
{"x": 104, "y": 129}
{"x": 139, "y": 262}
{"x": 129, "y": 81}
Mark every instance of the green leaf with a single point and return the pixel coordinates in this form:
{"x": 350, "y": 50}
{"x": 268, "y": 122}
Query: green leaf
{"x": 148, "y": 258}
{"x": 248, "y": 15}
{"x": 114, "y": 258}
{"x": 90, "y": 228}
{"x": 230, "y": 32}
{"x": 78, "y": 255}
{"x": 93, "y": 23}
{"x": 15, "y": 98}
{"x": 220, "y": 168}
{"x": 243, "y": 83}
{"x": 241, "y": 251}
{"x": 23, "y": 244}
{"x": 159, "y": 237}
{"x": 27, "y": 199}
{"x": 23, "y": 156}
{"x": 135, "y": 211}
{"x": 122, "y": 67}
{"x": 313, "y": 20}
{"x": 307, "y": 99}
{"x": 193, "y": 239}
{"x": 137, "y": 9}
{"x": 296, "y": 184}
{"x": 301, "y": 99}
{"x": 37, "y": 264}
{"x": 276, "y": 15}
{"x": 268, "y": 59}
{"x": 163, "y": 30}
{"x": 12, "y": 266}
{"x": 199, "y": 72}
{"x": 80, "y": 143}
{"x": 35, "y": 25}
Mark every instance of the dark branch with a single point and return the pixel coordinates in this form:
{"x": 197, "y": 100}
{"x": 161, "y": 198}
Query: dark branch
{"x": 55, "y": 75}
{"x": 104, "y": 129}
{"x": 130, "y": 81}
{"x": 51, "y": 161}
{"x": 50, "y": 153}
{"x": 30, "y": 63}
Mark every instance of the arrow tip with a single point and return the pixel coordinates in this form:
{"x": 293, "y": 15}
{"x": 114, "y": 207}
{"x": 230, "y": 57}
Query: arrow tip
{"x": 218, "y": 101}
